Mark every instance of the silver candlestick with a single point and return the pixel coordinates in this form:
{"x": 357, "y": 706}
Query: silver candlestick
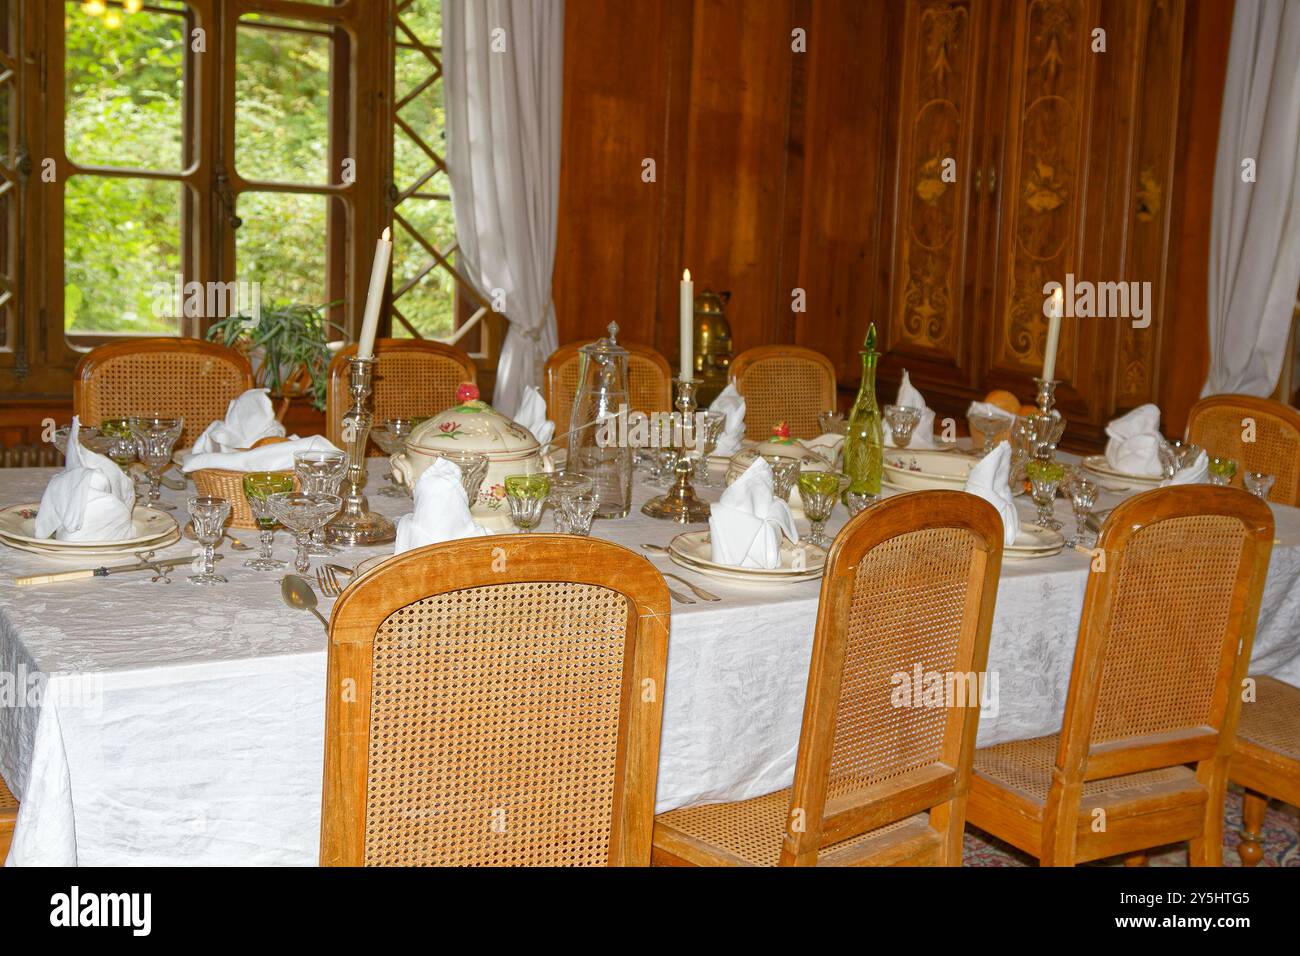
{"x": 680, "y": 503}
{"x": 355, "y": 523}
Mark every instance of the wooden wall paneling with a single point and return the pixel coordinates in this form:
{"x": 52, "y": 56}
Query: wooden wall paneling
{"x": 621, "y": 65}
{"x": 740, "y": 91}
{"x": 929, "y": 321}
{"x": 846, "y": 217}
{"x": 792, "y": 200}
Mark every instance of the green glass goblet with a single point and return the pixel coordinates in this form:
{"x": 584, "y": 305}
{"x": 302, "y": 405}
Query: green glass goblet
{"x": 258, "y": 486}
{"x": 526, "y": 495}
{"x": 819, "y": 491}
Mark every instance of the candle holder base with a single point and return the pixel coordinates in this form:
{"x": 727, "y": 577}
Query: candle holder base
{"x": 356, "y": 525}
{"x": 680, "y": 502}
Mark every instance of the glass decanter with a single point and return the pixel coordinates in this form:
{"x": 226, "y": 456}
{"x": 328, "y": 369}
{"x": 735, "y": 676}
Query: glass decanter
{"x": 865, "y": 442}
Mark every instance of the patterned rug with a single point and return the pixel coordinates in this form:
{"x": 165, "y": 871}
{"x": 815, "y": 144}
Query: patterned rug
{"x": 1281, "y": 840}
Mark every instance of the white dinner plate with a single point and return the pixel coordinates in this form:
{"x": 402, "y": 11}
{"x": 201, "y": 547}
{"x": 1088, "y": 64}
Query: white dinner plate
{"x": 18, "y": 524}
{"x": 1035, "y": 541}
{"x": 90, "y": 557}
{"x": 922, "y": 469}
{"x": 693, "y": 550}
{"x": 1100, "y": 466}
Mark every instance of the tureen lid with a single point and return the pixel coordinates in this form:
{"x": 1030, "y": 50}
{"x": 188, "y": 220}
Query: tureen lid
{"x": 472, "y": 425}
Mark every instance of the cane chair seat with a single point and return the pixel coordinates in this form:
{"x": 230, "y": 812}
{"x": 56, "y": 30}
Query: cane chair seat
{"x": 172, "y": 377}
{"x": 496, "y": 702}
{"x": 413, "y": 378}
{"x": 911, "y": 583}
{"x": 1266, "y": 761}
{"x": 1168, "y": 620}
{"x": 1216, "y": 424}
{"x": 8, "y": 817}
{"x": 649, "y": 383}
{"x": 784, "y": 383}
{"x": 749, "y": 833}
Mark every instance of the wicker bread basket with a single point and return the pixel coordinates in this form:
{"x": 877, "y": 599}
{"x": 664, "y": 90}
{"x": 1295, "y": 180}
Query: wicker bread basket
{"x": 221, "y": 483}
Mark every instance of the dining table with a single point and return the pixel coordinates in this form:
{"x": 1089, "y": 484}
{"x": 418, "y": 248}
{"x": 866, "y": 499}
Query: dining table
{"x": 145, "y": 722}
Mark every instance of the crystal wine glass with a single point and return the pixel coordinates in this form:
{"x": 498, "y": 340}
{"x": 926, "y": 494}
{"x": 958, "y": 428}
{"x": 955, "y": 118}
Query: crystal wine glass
{"x": 1168, "y": 459}
{"x": 987, "y": 425}
{"x": 122, "y": 446}
{"x": 820, "y": 490}
{"x": 320, "y": 473}
{"x": 526, "y": 495}
{"x": 902, "y": 422}
{"x": 258, "y": 486}
{"x": 707, "y": 439}
{"x": 564, "y": 485}
{"x": 155, "y": 438}
{"x": 576, "y": 513}
{"x": 1222, "y": 470}
{"x": 832, "y": 423}
{"x": 391, "y": 439}
{"x": 785, "y": 472}
{"x": 302, "y": 513}
{"x": 1044, "y": 479}
{"x": 1083, "y": 497}
{"x": 91, "y": 437}
{"x": 473, "y": 467}
{"x": 859, "y": 501}
{"x": 1258, "y": 483}
{"x": 208, "y": 516}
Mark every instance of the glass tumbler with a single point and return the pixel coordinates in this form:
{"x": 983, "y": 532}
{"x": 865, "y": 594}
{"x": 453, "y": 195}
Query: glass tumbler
{"x": 208, "y": 516}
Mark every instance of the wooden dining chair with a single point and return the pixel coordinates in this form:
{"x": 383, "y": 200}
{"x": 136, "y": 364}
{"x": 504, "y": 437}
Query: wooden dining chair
{"x": 496, "y": 701}
{"x": 414, "y": 378}
{"x": 783, "y": 383}
{"x": 649, "y": 383}
{"x": 8, "y": 819}
{"x": 1266, "y": 761}
{"x": 883, "y": 768}
{"x": 1164, "y": 640}
{"x": 191, "y": 378}
{"x": 1221, "y": 424}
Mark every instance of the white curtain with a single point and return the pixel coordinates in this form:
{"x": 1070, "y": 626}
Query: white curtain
{"x": 1255, "y": 232}
{"x": 503, "y": 66}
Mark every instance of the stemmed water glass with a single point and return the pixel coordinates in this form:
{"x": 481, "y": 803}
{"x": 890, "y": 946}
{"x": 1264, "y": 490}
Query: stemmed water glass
{"x": 320, "y": 473}
{"x": 707, "y": 439}
{"x": 987, "y": 425}
{"x": 564, "y": 486}
{"x": 785, "y": 472}
{"x": 208, "y": 516}
{"x": 473, "y": 467}
{"x": 302, "y": 513}
{"x": 258, "y": 486}
{"x": 1222, "y": 470}
{"x": 155, "y": 438}
{"x": 832, "y": 423}
{"x": 526, "y": 495}
{"x": 819, "y": 491}
{"x": 576, "y": 513}
{"x": 1083, "y": 497}
{"x": 1044, "y": 479}
{"x": 121, "y": 448}
{"x": 1258, "y": 483}
{"x": 902, "y": 422}
{"x": 391, "y": 439}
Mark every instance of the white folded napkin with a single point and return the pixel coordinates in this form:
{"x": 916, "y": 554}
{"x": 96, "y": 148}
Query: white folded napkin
{"x": 731, "y": 404}
{"x": 249, "y": 418}
{"x": 746, "y": 524}
{"x": 277, "y": 456}
{"x": 90, "y": 500}
{"x": 923, "y": 434}
{"x": 991, "y": 480}
{"x": 441, "y": 510}
{"x": 1134, "y": 441}
{"x": 532, "y": 415}
{"x": 1197, "y": 473}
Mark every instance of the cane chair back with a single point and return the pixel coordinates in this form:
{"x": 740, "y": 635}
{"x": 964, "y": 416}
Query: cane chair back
{"x": 496, "y": 701}
{"x": 414, "y": 378}
{"x": 784, "y": 383}
{"x": 1221, "y": 424}
{"x": 906, "y": 607}
{"x": 1168, "y": 619}
{"x": 649, "y": 384}
{"x": 173, "y": 377}
{"x": 8, "y": 819}
{"x": 1266, "y": 760}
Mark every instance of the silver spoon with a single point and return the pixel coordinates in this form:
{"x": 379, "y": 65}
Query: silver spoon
{"x": 297, "y": 593}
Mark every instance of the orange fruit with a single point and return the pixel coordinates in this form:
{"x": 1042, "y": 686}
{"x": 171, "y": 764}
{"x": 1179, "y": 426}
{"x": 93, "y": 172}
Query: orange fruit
{"x": 1028, "y": 409}
{"x": 1003, "y": 400}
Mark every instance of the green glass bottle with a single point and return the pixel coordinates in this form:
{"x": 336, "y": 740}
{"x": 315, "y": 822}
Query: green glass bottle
{"x": 864, "y": 445}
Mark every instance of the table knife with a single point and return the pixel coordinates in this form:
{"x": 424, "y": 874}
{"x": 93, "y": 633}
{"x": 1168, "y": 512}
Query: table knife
{"x": 103, "y": 572}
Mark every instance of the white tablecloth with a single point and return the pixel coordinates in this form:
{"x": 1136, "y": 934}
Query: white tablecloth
{"x": 170, "y": 724}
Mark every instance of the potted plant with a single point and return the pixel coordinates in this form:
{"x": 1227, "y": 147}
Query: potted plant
{"x": 288, "y": 346}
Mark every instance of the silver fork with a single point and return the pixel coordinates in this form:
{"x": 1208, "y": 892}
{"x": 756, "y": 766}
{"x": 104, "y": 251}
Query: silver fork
{"x": 680, "y": 597}
{"x": 699, "y": 592}
{"x": 328, "y": 581}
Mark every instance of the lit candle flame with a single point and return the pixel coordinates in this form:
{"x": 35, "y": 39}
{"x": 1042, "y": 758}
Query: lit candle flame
{"x": 686, "y": 275}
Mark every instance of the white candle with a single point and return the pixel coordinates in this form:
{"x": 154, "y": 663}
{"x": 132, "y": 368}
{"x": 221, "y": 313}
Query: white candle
{"x": 375, "y": 297}
{"x": 1053, "y": 335}
{"x": 688, "y": 325}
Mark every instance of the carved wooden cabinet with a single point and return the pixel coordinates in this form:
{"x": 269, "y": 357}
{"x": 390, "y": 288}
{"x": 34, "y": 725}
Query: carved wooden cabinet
{"x": 1036, "y": 139}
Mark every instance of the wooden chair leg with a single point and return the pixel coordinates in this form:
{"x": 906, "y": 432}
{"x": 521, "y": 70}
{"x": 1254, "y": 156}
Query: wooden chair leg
{"x": 1137, "y": 859}
{"x": 1253, "y": 807}
{"x": 1207, "y": 849}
